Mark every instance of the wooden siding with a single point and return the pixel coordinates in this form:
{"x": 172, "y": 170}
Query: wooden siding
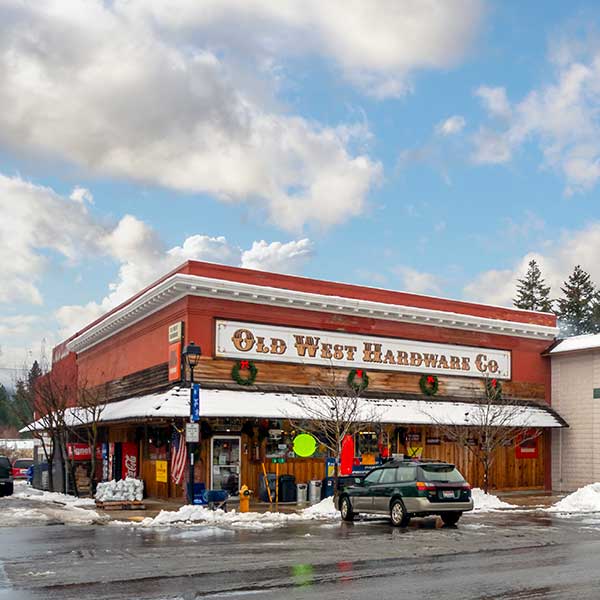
{"x": 219, "y": 371}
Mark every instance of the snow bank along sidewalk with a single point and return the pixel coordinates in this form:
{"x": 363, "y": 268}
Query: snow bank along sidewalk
{"x": 25, "y": 492}
{"x": 488, "y": 502}
{"x": 584, "y": 500}
{"x": 50, "y": 506}
{"x": 199, "y": 515}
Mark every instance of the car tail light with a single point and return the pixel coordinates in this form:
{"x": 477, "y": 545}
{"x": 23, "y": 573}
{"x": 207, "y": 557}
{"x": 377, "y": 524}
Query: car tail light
{"x": 466, "y": 486}
{"x": 425, "y": 487}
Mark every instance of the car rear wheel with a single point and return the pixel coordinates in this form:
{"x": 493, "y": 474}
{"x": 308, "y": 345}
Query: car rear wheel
{"x": 398, "y": 514}
{"x": 450, "y": 518}
{"x": 346, "y": 509}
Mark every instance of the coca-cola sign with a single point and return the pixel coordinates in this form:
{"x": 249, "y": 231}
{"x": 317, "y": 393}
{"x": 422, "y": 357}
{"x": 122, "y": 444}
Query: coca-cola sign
{"x": 130, "y": 459}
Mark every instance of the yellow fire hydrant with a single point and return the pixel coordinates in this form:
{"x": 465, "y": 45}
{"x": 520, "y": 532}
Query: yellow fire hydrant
{"x": 245, "y": 494}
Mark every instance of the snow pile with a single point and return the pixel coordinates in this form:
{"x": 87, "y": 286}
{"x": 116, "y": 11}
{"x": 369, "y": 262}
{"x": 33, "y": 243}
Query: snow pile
{"x": 323, "y": 510}
{"x": 128, "y": 489}
{"x": 27, "y": 493}
{"x": 251, "y": 520}
{"x": 484, "y": 502}
{"x": 584, "y": 500}
{"x": 12, "y": 517}
{"x": 73, "y": 515}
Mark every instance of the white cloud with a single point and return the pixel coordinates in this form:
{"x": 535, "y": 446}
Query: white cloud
{"x": 451, "y": 125}
{"x": 376, "y": 45}
{"x": 184, "y": 95}
{"x": 560, "y": 116}
{"x": 203, "y": 247}
{"x": 83, "y": 195}
{"x": 556, "y": 259}
{"x": 36, "y": 219}
{"x": 287, "y": 258}
{"x": 418, "y": 282}
{"x": 494, "y": 100}
{"x": 87, "y": 83}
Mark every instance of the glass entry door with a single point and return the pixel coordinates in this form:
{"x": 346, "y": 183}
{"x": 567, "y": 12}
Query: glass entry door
{"x": 225, "y": 463}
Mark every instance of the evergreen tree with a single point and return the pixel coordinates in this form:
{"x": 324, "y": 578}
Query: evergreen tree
{"x": 7, "y": 415}
{"x": 532, "y": 291}
{"x": 576, "y": 307}
{"x": 596, "y": 313}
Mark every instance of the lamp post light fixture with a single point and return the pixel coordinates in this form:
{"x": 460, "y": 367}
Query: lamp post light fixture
{"x": 191, "y": 357}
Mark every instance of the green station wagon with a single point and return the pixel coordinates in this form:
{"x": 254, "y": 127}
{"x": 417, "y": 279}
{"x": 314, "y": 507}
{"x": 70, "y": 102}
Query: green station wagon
{"x": 406, "y": 489}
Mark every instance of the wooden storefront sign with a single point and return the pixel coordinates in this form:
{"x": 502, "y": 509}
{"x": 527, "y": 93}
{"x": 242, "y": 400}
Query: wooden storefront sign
{"x": 238, "y": 340}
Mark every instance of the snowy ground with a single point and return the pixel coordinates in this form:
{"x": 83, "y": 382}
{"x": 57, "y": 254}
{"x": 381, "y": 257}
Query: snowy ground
{"x": 33, "y": 507}
{"x": 28, "y": 506}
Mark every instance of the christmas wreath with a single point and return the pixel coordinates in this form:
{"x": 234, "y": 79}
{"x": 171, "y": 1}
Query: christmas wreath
{"x": 358, "y": 386}
{"x": 429, "y": 384}
{"x": 244, "y": 365}
{"x": 493, "y": 388}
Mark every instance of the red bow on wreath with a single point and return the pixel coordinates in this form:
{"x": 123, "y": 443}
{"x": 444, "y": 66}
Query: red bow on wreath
{"x": 431, "y": 379}
{"x": 494, "y": 383}
{"x": 244, "y": 364}
{"x": 359, "y": 373}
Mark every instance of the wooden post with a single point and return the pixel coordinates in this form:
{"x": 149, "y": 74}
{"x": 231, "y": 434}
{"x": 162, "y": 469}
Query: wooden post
{"x": 267, "y": 482}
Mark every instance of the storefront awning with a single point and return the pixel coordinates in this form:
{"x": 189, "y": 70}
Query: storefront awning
{"x": 174, "y": 403}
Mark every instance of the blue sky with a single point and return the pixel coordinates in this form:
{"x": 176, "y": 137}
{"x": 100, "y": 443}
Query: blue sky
{"x": 429, "y": 146}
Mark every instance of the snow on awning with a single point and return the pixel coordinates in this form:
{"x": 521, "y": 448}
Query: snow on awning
{"x": 174, "y": 403}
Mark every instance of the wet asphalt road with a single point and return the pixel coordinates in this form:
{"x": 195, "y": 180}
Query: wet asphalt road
{"x": 520, "y": 555}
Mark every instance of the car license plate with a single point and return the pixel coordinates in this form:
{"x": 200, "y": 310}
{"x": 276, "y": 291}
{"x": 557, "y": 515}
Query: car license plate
{"x": 448, "y": 494}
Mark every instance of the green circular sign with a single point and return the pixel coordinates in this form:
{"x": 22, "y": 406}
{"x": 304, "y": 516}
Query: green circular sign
{"x": 305, "y": 445}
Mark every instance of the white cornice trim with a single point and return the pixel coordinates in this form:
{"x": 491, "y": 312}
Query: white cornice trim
{"x": 179, "y": 285}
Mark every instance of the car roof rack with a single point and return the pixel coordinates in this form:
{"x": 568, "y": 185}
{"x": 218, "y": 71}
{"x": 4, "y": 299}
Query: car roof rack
{"x": 423, "y": 459}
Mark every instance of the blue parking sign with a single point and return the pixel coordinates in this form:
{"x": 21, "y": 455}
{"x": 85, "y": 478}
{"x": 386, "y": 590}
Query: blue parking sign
{"x": 195, "y": 413}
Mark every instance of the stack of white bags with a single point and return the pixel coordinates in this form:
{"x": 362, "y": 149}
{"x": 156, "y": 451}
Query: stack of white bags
{"x": 128, "y": 489}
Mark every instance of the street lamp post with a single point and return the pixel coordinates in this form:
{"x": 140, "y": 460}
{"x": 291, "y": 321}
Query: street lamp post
{"x": 191, "y": 356}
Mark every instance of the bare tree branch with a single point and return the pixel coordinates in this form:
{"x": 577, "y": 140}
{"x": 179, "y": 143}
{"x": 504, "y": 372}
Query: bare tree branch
{"x": 491, "y": 423}
{"x": 337, "y": 410}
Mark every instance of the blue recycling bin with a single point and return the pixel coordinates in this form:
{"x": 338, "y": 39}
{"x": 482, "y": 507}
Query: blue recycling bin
{"x": 327, "y": 487}
{"x": 199, "y": 497}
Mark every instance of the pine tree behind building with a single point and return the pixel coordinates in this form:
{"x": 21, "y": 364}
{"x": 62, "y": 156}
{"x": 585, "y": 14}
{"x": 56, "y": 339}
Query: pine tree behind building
{"x": 577, "y": 307}
{"x": 532, "y": 291}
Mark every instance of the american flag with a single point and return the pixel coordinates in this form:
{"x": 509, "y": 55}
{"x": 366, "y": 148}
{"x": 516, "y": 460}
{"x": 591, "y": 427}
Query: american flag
{"x": 178, "y": 457}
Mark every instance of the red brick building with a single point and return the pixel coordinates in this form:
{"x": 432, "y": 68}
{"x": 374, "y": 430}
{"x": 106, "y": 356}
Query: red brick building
{"x": 295, "y": 330}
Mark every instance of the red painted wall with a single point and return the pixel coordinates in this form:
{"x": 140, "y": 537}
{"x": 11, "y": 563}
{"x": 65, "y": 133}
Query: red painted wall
{"x": 145, "y": 344}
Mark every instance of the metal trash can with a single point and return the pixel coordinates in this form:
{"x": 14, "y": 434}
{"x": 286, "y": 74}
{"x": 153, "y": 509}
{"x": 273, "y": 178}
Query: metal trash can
{"x": 287, "y": 488}
{"x": 314, "y": 490}
{"x": 301, "y": 492}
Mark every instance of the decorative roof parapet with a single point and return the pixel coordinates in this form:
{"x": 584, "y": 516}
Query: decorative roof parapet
{"x": 180, "y": 285}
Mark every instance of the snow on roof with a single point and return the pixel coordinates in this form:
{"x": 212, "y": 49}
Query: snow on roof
{"x": 174, "y": 403}
{"x": 577, "y": 342}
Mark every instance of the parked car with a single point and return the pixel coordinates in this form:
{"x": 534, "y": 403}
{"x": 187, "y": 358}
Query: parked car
{"x": 20, "y": 466}
{"x": 6, "y": 480}
{"x": 406, "y": 489}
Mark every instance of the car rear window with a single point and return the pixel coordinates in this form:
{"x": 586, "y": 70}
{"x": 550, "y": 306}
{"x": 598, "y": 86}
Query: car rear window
{"x": 23, "y": 463}
{"x": 441, "y": 473}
